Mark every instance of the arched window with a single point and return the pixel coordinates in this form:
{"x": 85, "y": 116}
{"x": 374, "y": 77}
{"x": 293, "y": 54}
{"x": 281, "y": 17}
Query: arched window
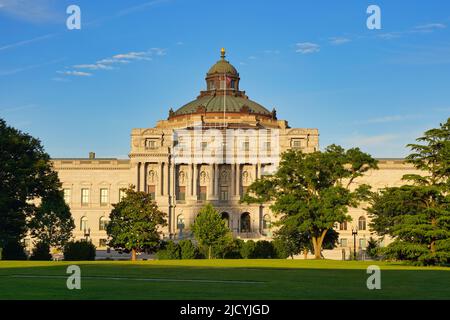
{"x": 245, "y": 222}
{"x": 84, "y": 223}
{"x": 180, "y": 221}
{"x": 103, "y": 222}
{"x": 362, "y": 223}
{"x": 226, "y": 217}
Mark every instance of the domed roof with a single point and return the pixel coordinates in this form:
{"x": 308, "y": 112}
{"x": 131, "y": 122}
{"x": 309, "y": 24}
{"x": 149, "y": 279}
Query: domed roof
{"x": 222, "y": 66}
{"x": 215, "y": 104}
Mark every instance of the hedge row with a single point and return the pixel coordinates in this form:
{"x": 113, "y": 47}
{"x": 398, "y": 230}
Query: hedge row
{"x": 237, "y": 249}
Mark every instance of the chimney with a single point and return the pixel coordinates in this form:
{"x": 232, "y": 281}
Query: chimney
{"x": 91, "y": 155}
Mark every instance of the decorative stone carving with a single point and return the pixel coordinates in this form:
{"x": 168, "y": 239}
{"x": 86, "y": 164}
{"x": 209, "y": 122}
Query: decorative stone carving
{"x": 152, "y": 176}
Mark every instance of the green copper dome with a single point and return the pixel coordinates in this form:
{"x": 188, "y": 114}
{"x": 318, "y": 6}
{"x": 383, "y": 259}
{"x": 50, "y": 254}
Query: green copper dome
{"x": 222, "y": 93}
{"x": 215, "y": 104}
{"x": 222, "y": 66}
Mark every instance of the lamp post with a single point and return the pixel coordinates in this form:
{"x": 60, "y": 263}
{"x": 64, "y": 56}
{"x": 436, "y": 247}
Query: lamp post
{"x": 87, "y": 233}
{"x": 354, "y": 233}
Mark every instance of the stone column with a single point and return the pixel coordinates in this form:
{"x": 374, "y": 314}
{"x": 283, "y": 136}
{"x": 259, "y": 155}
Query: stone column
{"x": 232, "y": 180}
{"x": 161, "y": 179}
{"x": 259, "y": 170}
{"x": 255, "y": 172}
{"x": 195, "y": 179}
{"x": 165, "y": 179}
{"x": 238, "y": 178}
{"x": 211, "y": 182}
{"x": 216, "y": 180}
{"x": 189, "y": 177}
{"x": 143, "y": 177}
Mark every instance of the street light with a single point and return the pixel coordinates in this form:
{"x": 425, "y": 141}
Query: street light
{"x": 87, "y": 233}
{"x": 354, "y": 233}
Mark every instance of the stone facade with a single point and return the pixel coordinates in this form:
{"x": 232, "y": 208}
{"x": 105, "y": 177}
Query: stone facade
{"x": 203, "y": 153}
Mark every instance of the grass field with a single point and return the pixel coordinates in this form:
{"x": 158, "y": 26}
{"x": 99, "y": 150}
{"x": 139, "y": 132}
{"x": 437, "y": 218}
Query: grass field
{"x": 221, "y": 279}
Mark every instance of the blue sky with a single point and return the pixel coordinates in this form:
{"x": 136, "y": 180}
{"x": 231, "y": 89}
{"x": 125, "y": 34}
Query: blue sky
{"x": 315, "y": 61}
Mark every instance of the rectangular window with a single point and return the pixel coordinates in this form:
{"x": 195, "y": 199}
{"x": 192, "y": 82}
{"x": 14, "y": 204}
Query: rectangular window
{"x": 202, "y": 195}
{"x": 151, "y": 143}
{"x": 298, "y": 143}
{"x": 151, "y": 191}
{"x": 67, "y": 195}
{"x": 181, "y": 193}
{"x": 246, "y": 146}
{"x": 344, "y": 243}
{"x": 122, "y": 194}
{"x": 204, "y": 146}
{"x": 362, "y": 243}
{"x": 224, "y": 193}
{"x": 104, "y": 196}
{"x": 84, "y": 196}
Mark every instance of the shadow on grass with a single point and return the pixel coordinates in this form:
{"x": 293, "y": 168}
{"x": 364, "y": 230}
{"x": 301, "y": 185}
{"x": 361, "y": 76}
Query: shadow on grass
{"x": 206, "y": 280}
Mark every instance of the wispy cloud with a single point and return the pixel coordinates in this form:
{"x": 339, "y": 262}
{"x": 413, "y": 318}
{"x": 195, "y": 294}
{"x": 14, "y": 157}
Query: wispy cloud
{"x": 17, "y": 108}
{"x": 368, "y": 141}
{"x": 111, "y": 63}
{"x": 430, "y": 27}
{"x": 75, "y": 73}
{"x": 390, "y": 118}
{"x": 339, "y": 40}
{"x": 25, "y": 42}
{"x": 34, "y": 11}
{"x": 25, "y": 68}
{"x": 307, "y": 47}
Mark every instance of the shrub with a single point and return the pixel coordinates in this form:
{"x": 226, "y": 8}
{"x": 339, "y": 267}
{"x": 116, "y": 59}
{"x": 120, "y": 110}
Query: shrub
{"x": 79, "y": 250}
{"x": 234, "y": 250}
{"x": 13, "y": 250}
{"x": 281, "y": 249}
{"x": 188, "y": 250}
{"x": 169, "y": 251}
{"x": 264, "y": 250}
{"x": 41, "y": 252}
{"x": 248, "y": 249}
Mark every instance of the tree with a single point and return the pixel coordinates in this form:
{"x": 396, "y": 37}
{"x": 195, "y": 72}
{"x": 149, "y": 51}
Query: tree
{"x": 169, "y": 251}
{"x": 417, "y": 215}
{"x": 79, "y": 250}
{"x": 209, "y": 229}
{"x": 314, "y": 189}
{"x": 25, "y": 175}
{"x": 188, "y": 249}
{"x": 52, "y": 222}
{"x": 13, "y": 250}
{"x": 41, "y": 252}
{"x": 135, "y": 223}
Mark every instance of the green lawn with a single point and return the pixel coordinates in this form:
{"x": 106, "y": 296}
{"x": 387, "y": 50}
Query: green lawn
{"x": 221, "y": 279}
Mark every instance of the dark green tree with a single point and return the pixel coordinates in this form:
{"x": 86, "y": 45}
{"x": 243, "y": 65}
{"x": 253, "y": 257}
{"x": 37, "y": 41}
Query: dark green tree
{"x": 26, "y": 174}
{"x": 52, "y": 222}
{"x": 41, "y": 252}
{"x": 79, "y": 251}
{"x": 188, "y": 249}
{"x": 169, "y": 251}
{"x": 417, "y": 215}
{"x": 209, "y": 229}
{"x": 314, "y": 189}
{"x": 135, "y": 224}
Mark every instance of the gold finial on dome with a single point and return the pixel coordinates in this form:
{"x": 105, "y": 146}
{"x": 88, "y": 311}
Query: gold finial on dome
{"x": 222, "y": 53}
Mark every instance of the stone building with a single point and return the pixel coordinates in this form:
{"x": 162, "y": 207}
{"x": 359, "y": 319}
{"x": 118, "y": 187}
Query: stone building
{"x": 209, "y": 150}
